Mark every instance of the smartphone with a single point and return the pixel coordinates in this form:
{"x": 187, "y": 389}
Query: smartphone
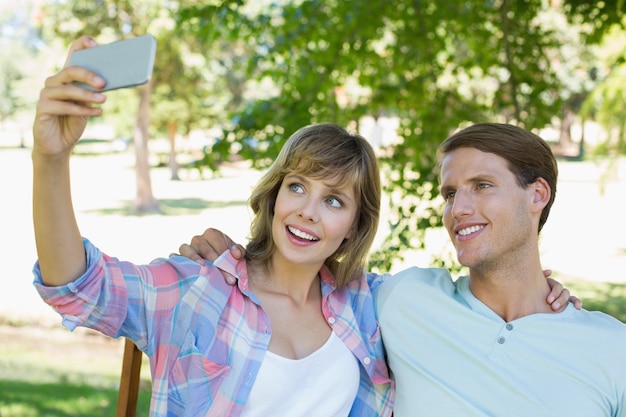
{"x": 122, "y": 64}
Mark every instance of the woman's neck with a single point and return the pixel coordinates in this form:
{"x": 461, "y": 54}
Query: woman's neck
{"x": 298, "y": 281}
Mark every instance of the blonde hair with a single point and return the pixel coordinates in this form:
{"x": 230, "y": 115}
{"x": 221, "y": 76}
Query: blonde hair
{"x": 323, "y": 151}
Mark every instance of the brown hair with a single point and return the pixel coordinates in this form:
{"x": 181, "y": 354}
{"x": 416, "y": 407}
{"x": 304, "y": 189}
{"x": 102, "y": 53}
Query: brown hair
{"x": 323, "y": 151}
{"x": 528, "y": 156}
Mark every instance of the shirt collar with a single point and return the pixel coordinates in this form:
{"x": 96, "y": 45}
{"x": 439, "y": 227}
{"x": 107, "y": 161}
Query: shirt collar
{"x": 238, "y": 268}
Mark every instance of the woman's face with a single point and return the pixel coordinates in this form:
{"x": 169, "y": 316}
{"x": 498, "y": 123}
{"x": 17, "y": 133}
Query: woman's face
{"x": 312, "y": 217}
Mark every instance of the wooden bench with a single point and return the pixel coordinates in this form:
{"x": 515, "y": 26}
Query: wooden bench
{"x": 129, "y": 381}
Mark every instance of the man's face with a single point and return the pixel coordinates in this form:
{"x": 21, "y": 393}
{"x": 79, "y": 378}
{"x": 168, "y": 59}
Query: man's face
{"x": 487, "y": 214}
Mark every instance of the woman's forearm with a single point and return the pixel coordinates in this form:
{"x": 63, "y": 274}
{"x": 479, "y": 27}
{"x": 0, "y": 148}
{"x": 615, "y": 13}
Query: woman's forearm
{"x": 58, "y": 240}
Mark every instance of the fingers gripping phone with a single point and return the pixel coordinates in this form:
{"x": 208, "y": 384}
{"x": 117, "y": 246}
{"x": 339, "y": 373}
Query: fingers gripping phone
{"x": 122, "y": 64}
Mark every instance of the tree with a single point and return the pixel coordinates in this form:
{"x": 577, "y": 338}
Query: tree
{"x": 598, "y": 16}
{"x": 432, "y": 66}
{"x": 183, "y": 93}
{"x": 195, "y": 87}
{"x": 10, "y": 74}
{"x": 18, "y": 62}
{"x": 607, "y": 102}
{"x": 111, "y": 20}
{"x": 604, "y": 26}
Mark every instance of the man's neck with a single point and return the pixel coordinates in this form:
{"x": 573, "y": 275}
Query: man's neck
{"x": 512, "y": 294}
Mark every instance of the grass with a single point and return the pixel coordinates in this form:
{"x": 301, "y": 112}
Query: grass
{"x": 49, "y": 375}
{"x": 61, "y": 399}
{"x": 608, "y": 297}
{"x": 43, "y": 389}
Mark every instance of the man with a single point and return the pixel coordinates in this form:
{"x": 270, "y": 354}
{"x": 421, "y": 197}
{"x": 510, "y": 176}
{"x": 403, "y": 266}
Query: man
{"x": 488, "y": 344}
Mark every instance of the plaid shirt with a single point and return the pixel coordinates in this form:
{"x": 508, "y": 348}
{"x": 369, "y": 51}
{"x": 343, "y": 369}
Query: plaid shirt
{"x": 206, "y": 339}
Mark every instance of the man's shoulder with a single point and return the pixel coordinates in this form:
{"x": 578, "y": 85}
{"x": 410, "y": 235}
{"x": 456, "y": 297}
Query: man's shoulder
{"x": 600, "y": 321}
{"x": 415, "y": 280}
{"x": 420, "y": 271}
{"x": 595, "y": 328}
{"x": 423, "y": 276}
{"x": 599, "y": 333}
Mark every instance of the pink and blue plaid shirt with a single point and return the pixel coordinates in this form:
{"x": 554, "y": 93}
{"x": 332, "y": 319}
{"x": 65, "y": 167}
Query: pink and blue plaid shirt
{"x": 206, "y": 339}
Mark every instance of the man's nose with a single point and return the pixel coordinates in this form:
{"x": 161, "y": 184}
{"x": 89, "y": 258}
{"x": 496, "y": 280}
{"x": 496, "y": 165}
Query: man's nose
{"x": 463, "y": 203}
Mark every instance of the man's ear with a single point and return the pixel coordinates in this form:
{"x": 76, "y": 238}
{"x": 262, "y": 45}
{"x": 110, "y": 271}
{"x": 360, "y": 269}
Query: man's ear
{"x": 541, "y": 193}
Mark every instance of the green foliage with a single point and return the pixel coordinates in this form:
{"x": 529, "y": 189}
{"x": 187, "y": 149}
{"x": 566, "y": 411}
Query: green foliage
{"x": 10, "y": 74}
{"x": 432, "y": 66}
{"x": 259, "y": 70}
{"x": 120, "y": 111}
{"x": 106, "y": 21}
{"x": 18, "y": 61}
{"x": 607, "y": 102}
{"x": 598, "y": 16}
{"x": 603, "y": 24}
{"x": 182, "y": 95}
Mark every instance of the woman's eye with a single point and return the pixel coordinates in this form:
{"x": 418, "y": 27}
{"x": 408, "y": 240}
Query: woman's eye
{"x": 334, "y": 202}
{"x": 296, "y": 188}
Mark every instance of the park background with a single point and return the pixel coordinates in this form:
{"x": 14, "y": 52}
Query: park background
{"x": 233, "y": 79}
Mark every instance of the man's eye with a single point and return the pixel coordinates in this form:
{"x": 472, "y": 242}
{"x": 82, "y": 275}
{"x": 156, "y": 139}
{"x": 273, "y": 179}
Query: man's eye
{"x": 449, "y": 196}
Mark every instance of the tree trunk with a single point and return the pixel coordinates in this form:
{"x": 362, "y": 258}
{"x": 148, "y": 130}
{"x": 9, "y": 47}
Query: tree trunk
{"x": 172, "y": 128}
{"x": 581, "y": 143}
{"x": 565, "y": 136}
{"x": 144, "y": 200}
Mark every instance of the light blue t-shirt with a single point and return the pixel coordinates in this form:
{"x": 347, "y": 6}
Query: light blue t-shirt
{"x": 451, "y": 355}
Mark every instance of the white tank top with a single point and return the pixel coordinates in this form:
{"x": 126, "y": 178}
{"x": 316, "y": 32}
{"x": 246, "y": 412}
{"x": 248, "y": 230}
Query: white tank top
{"x": 323, "y": 384}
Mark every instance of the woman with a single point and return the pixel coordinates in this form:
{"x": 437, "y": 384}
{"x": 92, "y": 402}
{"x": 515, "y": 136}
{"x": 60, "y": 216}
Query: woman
{"x": 296, "y": 336}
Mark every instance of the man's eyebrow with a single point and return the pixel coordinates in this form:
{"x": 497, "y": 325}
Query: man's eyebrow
{"x": 482, "y": 177}
{"x": 444, "y": 189}
{"x": 473, "y": 180}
